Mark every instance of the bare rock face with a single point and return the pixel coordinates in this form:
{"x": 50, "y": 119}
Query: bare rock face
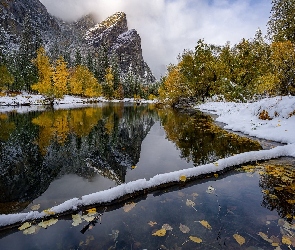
{"x": 125, "y": 44}
{"x": 13, "y": 15}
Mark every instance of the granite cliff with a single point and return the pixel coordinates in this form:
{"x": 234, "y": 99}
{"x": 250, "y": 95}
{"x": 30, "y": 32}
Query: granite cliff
{"x": 86, "y": 35}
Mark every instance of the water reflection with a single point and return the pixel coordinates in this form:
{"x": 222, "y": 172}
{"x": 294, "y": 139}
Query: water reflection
{"x": 200, "y": 140}
{"x": 103, "y": 140}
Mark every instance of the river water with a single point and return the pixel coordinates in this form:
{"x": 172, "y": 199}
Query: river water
{"x": 52, "y": 156}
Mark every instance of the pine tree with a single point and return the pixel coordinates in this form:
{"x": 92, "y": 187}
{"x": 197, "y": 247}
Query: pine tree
{"x": 281, "y": 26}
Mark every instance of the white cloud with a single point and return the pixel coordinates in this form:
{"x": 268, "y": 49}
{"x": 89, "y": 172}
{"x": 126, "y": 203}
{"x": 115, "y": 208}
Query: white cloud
{"x": 167, "y": 27}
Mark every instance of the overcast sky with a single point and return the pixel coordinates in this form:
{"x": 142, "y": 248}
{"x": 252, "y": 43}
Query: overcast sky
{"x": 167, "y": 27}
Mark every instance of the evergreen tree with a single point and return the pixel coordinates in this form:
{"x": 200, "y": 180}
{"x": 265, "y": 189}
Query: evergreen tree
{"x": 281, "y": 26}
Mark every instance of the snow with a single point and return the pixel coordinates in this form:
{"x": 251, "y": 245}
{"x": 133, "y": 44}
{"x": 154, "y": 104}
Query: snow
{"x": 25, "y": 102}
{"x": 236, "y": 116}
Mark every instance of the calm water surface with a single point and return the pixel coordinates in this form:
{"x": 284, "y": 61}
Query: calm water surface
{"x": 53, "y": 156}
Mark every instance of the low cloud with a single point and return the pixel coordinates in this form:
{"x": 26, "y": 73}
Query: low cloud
{"x": 167, "y": 27}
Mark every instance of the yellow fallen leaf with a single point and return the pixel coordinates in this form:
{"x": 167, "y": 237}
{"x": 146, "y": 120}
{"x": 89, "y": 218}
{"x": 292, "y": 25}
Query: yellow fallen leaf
{"x": 240, "y": 239}
{"x": 205, "y": 224}
{"x": 49, "y": 212}
{"x": 291, "y": 201}
{"x": 195, "y": 239}
{"x": 184, "y": 228}
{"x": 216, "y": 164}
{"x": 286, "y": 240}
{"x": 47, "y": 223}
{"x": 182, "y": 178}
{"x": 151, "y": 223}
{"x": 133, "y": 167}
{"x": 128, "y": 206}
{"x": 216, "y": 175}
{"x": 160, "y": 233}
{"x": 190, "y": 203}
{"x": 91, "y": 211}
{"x": 88, "y": 218}
{"x": 24, "y": 226}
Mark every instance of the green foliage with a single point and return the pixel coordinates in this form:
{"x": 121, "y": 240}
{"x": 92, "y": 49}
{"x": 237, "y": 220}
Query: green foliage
{"x": 281, "y": 26}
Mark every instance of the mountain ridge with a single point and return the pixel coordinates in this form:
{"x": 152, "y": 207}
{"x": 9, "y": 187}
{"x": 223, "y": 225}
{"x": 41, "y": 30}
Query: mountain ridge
{"x": 85, "y": 35}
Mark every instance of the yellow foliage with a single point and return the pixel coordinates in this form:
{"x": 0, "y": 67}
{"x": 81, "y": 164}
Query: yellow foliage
{"x": 195, "y": 239}
{"x": 182, "y": 178}
{"x": 239, "y": 239}
{"x": 160, "y": 233}
{"x": 205, "y": 224}
{"x": 60, "y": 78}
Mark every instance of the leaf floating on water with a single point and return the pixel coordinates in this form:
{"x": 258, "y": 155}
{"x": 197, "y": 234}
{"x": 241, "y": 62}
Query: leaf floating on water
{"x": 286, "y": 240}
{"x": 205, "y": 224}
{"x": 160, "y": 233}
{"x": 190, "y": 203}
{"x": 210, "y": 190}
{"x": 91, "y": 211}
{"x": 240, "y": 239}
{"x": 30, "y": 230}
{"x": 35, "y": 207}
{"x": 182, "y": 178}
{"x": 47, "y": 223}
{"x": 151, "y": 223}
{"x": 291, "y": 201}
{"x": 24, "y": 226}
{"x": 184, "y": 228}
{"x": 128, "y": 206}
{"x": 76, "y": 219}
{"x": 195, "y": 239}
{"x": 167, "y": 227}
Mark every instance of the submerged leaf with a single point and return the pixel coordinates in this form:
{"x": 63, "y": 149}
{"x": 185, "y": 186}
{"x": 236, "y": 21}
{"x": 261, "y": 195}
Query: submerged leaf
{"x": 167, "y": 227}
{"x": 47, "y": 223}
{"x": 128, "y": 206}
{"x": 151, "y": 223}
{"x": 240, "y": 239}
{"x": 195, "y": 239}
{"x": 35, "y": 207}
{"x": 265, "y": 237}
{"x": 76, "y": 219}
{"x": 24, "y": 226}
{"x": 160, "y": 233}
{"x": 206, "y": 224}
{"x": 184, "y": 228}
{"x": 190, "y": 203}
{"x": 30, "y": 230}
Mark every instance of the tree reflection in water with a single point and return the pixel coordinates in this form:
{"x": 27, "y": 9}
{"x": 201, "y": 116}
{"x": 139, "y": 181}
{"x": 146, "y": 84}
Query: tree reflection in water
{"x": 200, "y": 140}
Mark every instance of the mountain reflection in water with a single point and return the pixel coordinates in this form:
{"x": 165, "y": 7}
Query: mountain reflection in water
{"x": 115, "y": 142}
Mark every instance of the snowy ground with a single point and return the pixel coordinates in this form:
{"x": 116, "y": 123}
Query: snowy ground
{"x": 27, "y": 102}
{"x": 238, "y": 117}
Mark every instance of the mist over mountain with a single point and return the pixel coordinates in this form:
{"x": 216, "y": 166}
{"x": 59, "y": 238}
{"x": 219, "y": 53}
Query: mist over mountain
{"x": 109, "y": 41}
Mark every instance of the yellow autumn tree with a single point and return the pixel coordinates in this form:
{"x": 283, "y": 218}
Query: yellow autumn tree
{"x": 173, "y": 86}
{"x": 83, "y": 83}
{"x": 6, "y": 78}
{"x": 45, "y": 71}
{"x": 60, "y": 78}
{"x": 108, "y": 86}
